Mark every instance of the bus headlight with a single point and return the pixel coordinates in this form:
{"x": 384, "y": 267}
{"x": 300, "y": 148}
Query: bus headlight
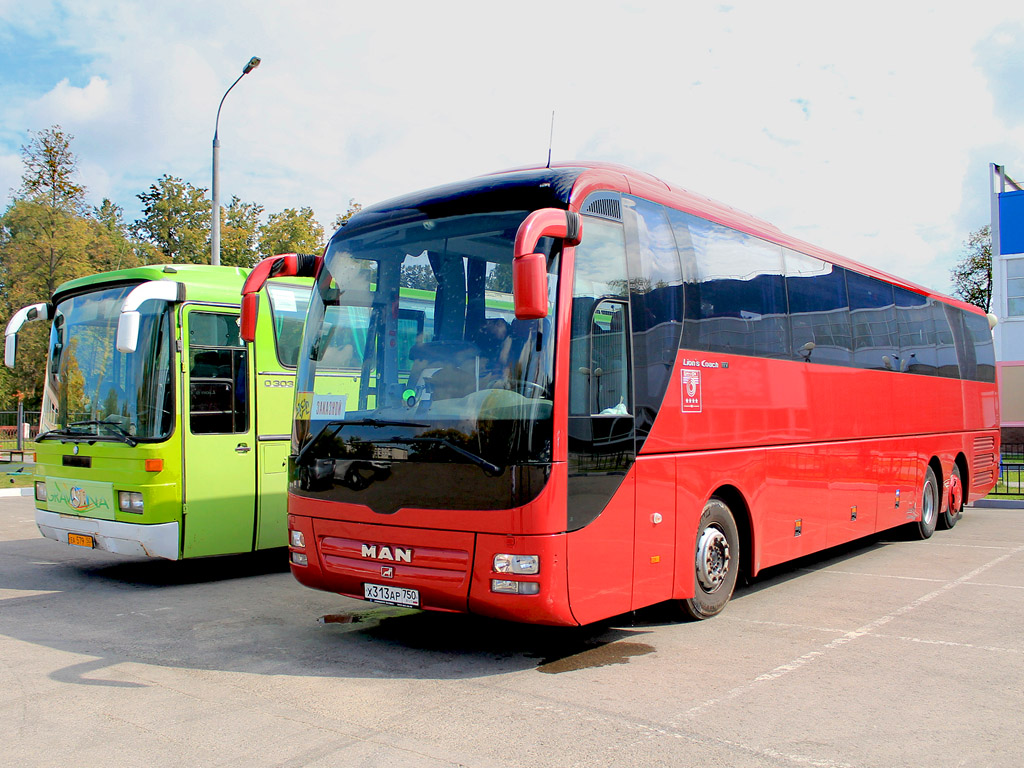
{"x": 509, "y": 587}
{"x": 299, "y": 558}
{"x": 297, "y": 539}
{"x": 526, "y": 565}
{"x": 40, "y": 490}
{"x": 130, "y": 501}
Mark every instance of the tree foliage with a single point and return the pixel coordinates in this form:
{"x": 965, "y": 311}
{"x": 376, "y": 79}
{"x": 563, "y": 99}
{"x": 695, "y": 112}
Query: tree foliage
{"x": 972, "y": 275}
{"x": 239, "y": 233}
{"x": 291, "y": 231}
{"x": 176, "y": 221}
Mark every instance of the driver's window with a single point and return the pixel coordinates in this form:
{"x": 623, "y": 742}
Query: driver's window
{"x": 218, "y": 375}
{"x": 608, "y": 369}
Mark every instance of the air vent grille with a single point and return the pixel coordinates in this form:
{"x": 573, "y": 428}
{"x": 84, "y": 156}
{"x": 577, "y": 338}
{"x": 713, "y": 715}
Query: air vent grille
{"x": 606, "y": 207}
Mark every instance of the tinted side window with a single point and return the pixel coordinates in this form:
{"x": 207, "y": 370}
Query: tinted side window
{"x": 979, "y": 333}
{"x": 819, "y": 311}
{"x": 656, "y": 302}
{"x": 734, "y": 293}
{"x": 916, "y": 326}
{"x": 945, "y": 344}
{"x": 873, "y": 318}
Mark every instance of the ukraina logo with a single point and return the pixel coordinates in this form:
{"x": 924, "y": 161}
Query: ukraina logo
{"x": 691, "y": 394}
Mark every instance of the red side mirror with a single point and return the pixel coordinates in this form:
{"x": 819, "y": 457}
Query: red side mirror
{"x": 530, "y": 286}
{"x": 283, "y": 265}
{"x": 529, "y": 269}
{"x": 250, "y": 309}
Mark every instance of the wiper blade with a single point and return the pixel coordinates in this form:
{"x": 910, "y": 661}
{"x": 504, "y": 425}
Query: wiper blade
{"x": 119, "y": 431}
{"x": 480, "y": 461}
{"x": 337, "y": 426}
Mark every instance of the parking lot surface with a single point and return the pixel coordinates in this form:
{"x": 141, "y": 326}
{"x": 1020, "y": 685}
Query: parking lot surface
{"x": 889, "y": 652}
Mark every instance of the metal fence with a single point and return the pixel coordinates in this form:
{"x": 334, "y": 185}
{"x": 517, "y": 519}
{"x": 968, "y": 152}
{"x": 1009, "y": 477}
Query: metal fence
{"x": 10, "y": 429}
{"x": 1011, "y": 471}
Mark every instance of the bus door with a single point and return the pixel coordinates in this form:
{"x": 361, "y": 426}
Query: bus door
{"x": 218, "y": 438}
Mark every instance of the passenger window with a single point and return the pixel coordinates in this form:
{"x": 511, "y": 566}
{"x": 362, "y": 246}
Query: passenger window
{"x": 873, "y": 317}
{"x": 819, "y": 310}
{"x": 735, "y": 298}
{"x": 916, "y": 328}
{"x": 218, "y": 375}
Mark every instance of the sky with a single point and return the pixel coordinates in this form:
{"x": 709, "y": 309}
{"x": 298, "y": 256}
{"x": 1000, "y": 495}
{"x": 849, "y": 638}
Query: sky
{"x": 865, "y": 128}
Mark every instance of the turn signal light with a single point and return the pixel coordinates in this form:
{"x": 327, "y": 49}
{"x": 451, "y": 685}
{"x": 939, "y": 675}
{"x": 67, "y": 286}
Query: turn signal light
{"x": 154, "y": 465}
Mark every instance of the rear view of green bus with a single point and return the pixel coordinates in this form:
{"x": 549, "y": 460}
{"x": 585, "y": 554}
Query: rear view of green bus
{"x": 162, "y": 434}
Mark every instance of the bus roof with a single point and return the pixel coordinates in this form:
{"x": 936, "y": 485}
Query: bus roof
{"x": 203, "y": 281}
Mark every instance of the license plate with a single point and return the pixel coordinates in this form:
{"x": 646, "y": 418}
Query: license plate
{"x": 81, "y": 540}
{"x": 379, "y": 593}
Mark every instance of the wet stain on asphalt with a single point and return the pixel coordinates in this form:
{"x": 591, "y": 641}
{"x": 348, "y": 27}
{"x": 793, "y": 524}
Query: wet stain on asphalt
{"x": 600, "y": 656}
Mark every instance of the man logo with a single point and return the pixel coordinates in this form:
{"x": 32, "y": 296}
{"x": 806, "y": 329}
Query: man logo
{"x": 387, "y": 572}
{"x": 397, "y": 554}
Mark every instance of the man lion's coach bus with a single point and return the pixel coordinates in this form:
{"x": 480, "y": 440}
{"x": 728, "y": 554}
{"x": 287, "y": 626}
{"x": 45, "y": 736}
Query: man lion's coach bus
{"x": 683, "y": 393}
{"x": 161, "y": 432}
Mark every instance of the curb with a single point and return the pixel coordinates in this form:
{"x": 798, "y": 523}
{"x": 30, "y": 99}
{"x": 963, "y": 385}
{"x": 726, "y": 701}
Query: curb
{"x": 16, "y": 492}
{"x": 998, "y": 503}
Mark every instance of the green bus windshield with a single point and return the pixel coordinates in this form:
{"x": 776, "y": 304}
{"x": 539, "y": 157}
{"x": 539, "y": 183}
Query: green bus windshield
{"x": 91, "y": 388}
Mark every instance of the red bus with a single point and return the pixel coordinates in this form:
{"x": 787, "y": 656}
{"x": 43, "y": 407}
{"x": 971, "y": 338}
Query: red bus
{"x": 556, "y": 395}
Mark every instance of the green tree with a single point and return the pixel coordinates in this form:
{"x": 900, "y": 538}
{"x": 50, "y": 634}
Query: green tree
{"x": 111, "y": 246}
{"x": 175, "y": 221}
{"x": 342, "y": 218}
{"x": 972, "y": 274}
{"x": 239, "y": 233}
{"x": 50, "y": 170}
{"x": 44, "y": 237}
{"x": 291, "y": 231}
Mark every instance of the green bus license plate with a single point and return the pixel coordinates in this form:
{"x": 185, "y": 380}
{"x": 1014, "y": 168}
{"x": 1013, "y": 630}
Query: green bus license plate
{"x": 378, "y": 593}
{"x": 81, "y": 540}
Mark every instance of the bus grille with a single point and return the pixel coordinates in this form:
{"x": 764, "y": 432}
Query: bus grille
{"x": 984, "y": 465}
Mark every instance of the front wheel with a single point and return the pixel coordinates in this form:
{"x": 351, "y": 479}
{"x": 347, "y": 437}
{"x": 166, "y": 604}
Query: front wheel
{"x": 955, "y": 502}
{"x": 925, "y": 527}
{"x": 716, "y": 561}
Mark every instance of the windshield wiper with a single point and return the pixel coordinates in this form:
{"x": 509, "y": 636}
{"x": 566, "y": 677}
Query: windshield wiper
{"x": 337, "y": 426}
{"x": 120, "y": 432}
{"x": 480, "y": 461}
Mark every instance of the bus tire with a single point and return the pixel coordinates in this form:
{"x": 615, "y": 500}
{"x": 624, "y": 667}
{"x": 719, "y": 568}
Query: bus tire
{"x": 716, "y": 561}
{"x": 930, "y": 503}
{"x": 955, "y": 503}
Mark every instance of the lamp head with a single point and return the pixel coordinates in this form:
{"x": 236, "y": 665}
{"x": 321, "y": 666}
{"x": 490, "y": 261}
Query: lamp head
{"x": 253, "y": 63}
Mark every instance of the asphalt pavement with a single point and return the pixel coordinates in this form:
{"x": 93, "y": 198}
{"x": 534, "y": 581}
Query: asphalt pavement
{"x": 889, "y": 652}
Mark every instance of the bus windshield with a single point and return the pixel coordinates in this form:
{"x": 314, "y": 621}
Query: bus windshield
{"x": 93, "y": 390}
{"x": 412, "y": 352}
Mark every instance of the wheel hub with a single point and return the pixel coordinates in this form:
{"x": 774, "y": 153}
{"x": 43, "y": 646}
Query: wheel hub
{"x": 712, "y": 558}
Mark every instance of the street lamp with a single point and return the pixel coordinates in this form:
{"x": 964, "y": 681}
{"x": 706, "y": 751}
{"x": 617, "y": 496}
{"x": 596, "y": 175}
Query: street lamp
{"x": 215, "y": 225}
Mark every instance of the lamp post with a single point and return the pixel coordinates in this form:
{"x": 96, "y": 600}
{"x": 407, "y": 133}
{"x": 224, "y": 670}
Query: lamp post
{"x": 215, "y": 192}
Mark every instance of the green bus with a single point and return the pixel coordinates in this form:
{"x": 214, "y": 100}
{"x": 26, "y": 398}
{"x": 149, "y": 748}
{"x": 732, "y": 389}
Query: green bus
{"x": 162, "y": 433}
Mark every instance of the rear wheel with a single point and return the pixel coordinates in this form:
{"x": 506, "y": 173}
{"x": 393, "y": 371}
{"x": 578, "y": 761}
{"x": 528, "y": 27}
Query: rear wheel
{"x": 716, "y": 561}
{"x": 925, "y": 527}
{"x": 955, "y": 502}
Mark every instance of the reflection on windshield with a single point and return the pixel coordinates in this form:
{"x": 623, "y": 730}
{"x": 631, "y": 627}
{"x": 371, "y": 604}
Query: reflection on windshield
{"x": 412, "y": 353}
{"x": 91, "y": 388}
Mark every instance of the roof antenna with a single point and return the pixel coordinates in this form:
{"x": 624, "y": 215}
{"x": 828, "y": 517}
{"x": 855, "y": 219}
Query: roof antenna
{"x": 551, "y": 138}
